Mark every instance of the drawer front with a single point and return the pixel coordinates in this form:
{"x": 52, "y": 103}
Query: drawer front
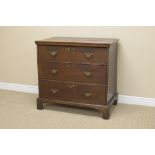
{"x": 72, "y": 72}
{"x": 73, "y": 54}
{"x": 73, "y": 92}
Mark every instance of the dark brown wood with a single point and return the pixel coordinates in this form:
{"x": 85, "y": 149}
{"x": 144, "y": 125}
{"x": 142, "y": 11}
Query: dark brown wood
{"x": 106, "y": 113}
{"x": 72, "y": 72}
{"x": 115, "y": 102}
{"x": 72, "y": 104}
{"x": 73, "y": 54}
{"x": 40, "y": 105}
{"x": 71, "y": 91}
{"x": 112, "y": 71}
{"x": 78, "y": 72}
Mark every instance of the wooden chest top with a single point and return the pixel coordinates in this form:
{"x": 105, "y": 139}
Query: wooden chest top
{"x": 75, "y": 41}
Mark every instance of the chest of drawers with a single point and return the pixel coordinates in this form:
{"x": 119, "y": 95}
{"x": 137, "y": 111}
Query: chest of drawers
{"x": 78, "y": 72}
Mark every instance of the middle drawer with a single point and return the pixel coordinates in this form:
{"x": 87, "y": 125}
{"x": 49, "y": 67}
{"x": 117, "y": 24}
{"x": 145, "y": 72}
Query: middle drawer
{"x": 72, "y": 72}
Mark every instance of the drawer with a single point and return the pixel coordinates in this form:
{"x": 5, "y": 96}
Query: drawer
{"x": 73, "y": 54}
{"x": 72, "y": 92}
{"x": 72, "y": 72}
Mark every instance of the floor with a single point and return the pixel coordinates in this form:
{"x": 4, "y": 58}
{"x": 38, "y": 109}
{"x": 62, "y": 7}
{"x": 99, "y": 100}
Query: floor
{"x": 18, "y": 110}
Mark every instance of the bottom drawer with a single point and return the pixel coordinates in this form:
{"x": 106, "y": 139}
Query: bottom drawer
{"x": 72, "y": 92}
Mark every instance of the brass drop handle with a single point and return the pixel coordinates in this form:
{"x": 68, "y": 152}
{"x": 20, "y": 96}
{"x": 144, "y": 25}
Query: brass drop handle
{"x": 70, "y": 85}
{"x": 69, "y": 49}
{"x": 54, "y": 91}
{"x": 54, "y": 71}
{"x": 87, "y": 95}
{"x": 88, "y": 55}
{"x": 53, "y": 53}
{"x": 88, "y": 74}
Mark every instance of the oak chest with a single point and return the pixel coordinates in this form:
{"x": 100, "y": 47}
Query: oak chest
{"x": 78, "y": 72}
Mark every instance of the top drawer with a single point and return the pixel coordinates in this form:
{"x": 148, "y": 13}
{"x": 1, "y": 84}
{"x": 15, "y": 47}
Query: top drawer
{"x": 73, "y": 54}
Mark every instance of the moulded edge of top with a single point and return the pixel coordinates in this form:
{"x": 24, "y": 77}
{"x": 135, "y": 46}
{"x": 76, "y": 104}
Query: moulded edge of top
{"x": 74, "y": 41}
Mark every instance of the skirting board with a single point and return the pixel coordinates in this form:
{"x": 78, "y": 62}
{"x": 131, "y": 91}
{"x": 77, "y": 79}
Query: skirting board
{"x": 121, "y": 98}
{"x": 19, "y": 87}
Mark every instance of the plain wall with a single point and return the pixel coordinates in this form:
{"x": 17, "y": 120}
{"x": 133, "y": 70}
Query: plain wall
{"x": 136, "y": 54}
